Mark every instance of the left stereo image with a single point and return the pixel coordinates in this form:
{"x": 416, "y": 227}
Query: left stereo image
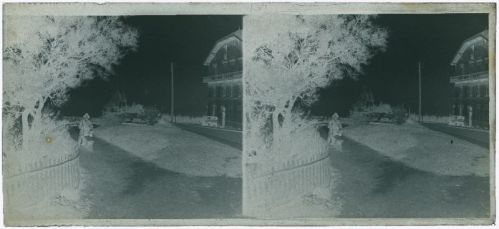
{"x": 134, "y": 117}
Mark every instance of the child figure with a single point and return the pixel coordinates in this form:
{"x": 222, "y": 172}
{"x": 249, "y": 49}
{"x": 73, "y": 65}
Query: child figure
{"x": 335, "y": 132}
{"x": 86, "y": 131}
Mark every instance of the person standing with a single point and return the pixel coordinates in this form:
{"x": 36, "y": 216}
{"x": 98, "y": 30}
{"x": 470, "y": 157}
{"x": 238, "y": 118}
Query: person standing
{"x": 223, "y": 116}
{"x": 335, "y": 132}
{"x": 470, "y": 115}
{"x": 86, "y": 132}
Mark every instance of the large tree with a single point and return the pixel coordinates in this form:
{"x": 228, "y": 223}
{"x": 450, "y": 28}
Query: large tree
{"x": 46, "y": 56}
{"x": 291, "y": 57}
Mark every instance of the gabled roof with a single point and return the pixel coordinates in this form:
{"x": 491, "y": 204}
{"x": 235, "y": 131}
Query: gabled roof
{"x": 221, "y": 42}
{"x": 466, "y": 44}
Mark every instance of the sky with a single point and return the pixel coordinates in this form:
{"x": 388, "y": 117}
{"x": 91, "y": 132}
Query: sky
{"x": 392, "y": 75}
{"x": 144, "y": 76}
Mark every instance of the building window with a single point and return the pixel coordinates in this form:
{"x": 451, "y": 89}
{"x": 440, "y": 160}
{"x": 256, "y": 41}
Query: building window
{"x": 227, "y": 92}
{"x": 475, "y": 91}
{"x": 236, "y": 92}
{"x": 455, "y": 107}
{"x": 457, "y": 92}
{"x": 233, "y": 66}
{"x": 214, "y": 69}
{"x": 239, "y": 63}
{"x": 465, "y": 92}
{"x": 219, "y": 91}
{"x": 208, "y": 110}
{"x": 211, "y": 92}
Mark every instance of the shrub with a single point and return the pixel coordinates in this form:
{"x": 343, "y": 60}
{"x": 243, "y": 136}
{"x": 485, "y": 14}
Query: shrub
{"x": 151, "y": 115}
{"x": 133, "y": 109}
{"x": 166, "y": 118}
{"x": 370, "y": 113}
{"x": 381, "y": 108}
{"x": 124, "y": 113}
{"x": 380, "y": 113}
{"x": 399, "y": 115}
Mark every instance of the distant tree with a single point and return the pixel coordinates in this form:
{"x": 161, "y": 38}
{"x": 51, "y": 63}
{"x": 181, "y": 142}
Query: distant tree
{"x": 365, "y": 101}
{"x": 294, "y": 56}
{"x": 46, "y": 56}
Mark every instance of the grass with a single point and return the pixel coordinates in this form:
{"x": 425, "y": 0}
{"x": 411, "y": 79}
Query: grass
{"x": 423, "y": 149}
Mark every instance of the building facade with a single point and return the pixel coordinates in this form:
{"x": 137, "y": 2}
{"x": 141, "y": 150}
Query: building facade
{"x": 470, "y": 81}
{"x": 224, "y": 80}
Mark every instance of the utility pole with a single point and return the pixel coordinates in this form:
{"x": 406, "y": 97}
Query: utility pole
{"x": 419, "y": 74}
{"x": 172, "y": 113}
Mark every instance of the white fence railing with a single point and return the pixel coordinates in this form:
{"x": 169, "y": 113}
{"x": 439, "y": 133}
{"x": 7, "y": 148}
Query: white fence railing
{"x": 267, "y": 187}
{"x": 29, "y": 183}
{"x": 272, "y": 190}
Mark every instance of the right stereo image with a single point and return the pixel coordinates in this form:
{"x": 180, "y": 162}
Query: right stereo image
{"x": 367, "y": 116}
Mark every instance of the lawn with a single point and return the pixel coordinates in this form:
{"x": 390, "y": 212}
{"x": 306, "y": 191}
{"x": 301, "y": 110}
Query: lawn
{"x": 424, "y": 149}
{"x": 175, "y": 149}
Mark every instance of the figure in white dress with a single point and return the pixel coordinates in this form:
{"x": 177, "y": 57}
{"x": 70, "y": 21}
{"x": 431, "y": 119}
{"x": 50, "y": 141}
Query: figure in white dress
{"x": 222, "y": 123}
{"x": 86, "y": 132}
{"x": 335, "y": 133}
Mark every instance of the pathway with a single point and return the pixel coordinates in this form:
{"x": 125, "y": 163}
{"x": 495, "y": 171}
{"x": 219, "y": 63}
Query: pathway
{"x": 122, "y": 186}
{"x": 372, "y": 185}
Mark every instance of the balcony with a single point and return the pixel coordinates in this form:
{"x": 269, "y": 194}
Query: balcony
{"x": 470, "y": 76}
{"x": 222, "y": 77}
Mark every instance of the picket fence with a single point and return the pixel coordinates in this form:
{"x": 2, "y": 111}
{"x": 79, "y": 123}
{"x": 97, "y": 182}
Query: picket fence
{"x": 29, "y": 183}
{"x": 268, "y": 187}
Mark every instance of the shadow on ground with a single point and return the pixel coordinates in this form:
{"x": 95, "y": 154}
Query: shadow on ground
{"x": 372, "y": 185}
{"x": 122, "y": 186}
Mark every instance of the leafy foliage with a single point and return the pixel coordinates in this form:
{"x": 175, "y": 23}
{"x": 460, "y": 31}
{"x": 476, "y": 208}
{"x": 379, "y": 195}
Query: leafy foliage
{"x": 152, "y": 115}
{"x": 365, "y": 101}
{"x": 294, "y": 56}
{"x": 46, "y": 56}
{"x": 400, "y": 114}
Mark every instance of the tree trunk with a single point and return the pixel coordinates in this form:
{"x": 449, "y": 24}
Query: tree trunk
{"x": 37, "y": 118}
{"x": 25, "y": 129}
{"x": 36, "y": 114}
{"x": 285, "y": 110}
{"x": 275, "y": 123}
